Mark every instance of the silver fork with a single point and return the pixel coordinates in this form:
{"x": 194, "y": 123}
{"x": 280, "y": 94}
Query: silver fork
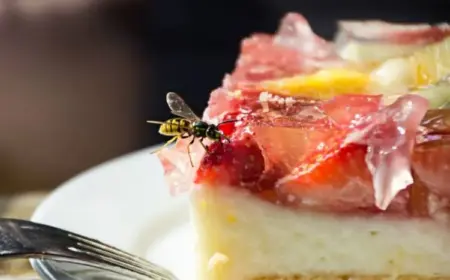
{"x": 25, "y": 239}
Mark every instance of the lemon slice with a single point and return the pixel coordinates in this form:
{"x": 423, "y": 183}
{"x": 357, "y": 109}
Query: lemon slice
{"x": 395, "y": 76}
{"x": 438, "y": 96}
{"x": 424, "y": 67}
{"x": 323, "y": 84}
{"x": 373, "y": 52}
{"x": 422, "y": 70}
{"x": 431, "y": 63}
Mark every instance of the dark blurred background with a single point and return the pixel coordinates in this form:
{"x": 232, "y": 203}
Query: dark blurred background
{"x": 78, "y": 78}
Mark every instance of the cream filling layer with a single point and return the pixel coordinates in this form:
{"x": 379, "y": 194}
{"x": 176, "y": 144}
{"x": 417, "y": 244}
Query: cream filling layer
{"x": 253, "y": 238}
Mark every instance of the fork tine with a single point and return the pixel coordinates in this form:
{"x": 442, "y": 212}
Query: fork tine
{"x": 101, "y": 258}
{"x": 150, "y": 270}
{"x": 118, "y": 255}
{"x": 18, "y": 239}
{"x": 114, "y": 256}
{"x": 106, "y": 247}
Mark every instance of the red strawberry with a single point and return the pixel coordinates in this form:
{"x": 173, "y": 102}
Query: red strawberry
{"x": 239, "y": 163}
{"x": 228, "y": 128}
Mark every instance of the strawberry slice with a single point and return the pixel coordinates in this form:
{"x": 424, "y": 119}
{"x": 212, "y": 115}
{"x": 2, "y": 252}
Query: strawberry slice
{"x": 261, "y": 59}
{"x": 295, "y": 49}
{"x": 431, "y": 162}
{"x": 237, "y": 164}
{"x": 311, "y": 141}
{"x": 223, "y": 101}
{"x": 318, "y": 155}
{"x": 296, "y": 33}
{"x": 342, "y": 110}
{"x": 176, "y": 162}
{"x": 228, "y": 124}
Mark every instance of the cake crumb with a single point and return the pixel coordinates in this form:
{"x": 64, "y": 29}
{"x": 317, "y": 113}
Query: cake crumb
{"x": 217, "y": 259}
{"x": 289, "y": 101}
{"x": 264, "y": 98}
{"x": 236, "y": 93}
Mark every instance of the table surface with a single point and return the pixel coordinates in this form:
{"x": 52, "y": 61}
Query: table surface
{"x": 20, "y": 206}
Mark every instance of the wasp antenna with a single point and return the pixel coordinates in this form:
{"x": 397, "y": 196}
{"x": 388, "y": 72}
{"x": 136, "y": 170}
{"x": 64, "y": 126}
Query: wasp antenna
{"x": 228, "y": 121}
{"x": 155, "y": 122}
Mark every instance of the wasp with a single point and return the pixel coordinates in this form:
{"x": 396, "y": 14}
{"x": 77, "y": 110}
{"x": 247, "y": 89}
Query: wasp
{"x": 187, "y": 125}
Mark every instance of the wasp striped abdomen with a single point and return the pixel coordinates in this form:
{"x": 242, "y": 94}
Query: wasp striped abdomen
{"x": 175, "y": 127}
{"x": 188, "y": 126}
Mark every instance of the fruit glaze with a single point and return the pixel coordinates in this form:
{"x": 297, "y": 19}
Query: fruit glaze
{"x": 322, "y": 128}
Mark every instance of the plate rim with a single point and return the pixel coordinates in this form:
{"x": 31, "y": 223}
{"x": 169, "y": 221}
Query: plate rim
{"x": 39, "y": 265}
{"x": 36, "y": 215}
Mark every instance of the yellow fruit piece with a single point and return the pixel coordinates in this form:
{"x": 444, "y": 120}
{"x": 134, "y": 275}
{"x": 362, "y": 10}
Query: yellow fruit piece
{"x": 394, "y": 76}
{"x": 323, "y": 84}
{"x": 431, "y": 63}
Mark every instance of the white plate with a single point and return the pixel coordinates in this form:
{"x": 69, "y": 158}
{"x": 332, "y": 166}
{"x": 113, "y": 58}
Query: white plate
{"x": 125, "y": 203}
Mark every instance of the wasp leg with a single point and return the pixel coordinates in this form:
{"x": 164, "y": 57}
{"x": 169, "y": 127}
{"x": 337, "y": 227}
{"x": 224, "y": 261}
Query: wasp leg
{"x": 165, "y": 145}
{"x": 203, "y": 145}
{"x": 226, "y": 139}
{"x": 185, "y": 135}
{"x": 170, "y": 141}
{"x": 189, "y": 149}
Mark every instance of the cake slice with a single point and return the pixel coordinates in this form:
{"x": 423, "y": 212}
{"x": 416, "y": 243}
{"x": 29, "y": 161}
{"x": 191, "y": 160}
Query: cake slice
{"x": 318, "y": 181}
{"x": 243, "y": 237}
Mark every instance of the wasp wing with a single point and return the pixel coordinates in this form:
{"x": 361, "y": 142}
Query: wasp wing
{"x": 179, "y": 107}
